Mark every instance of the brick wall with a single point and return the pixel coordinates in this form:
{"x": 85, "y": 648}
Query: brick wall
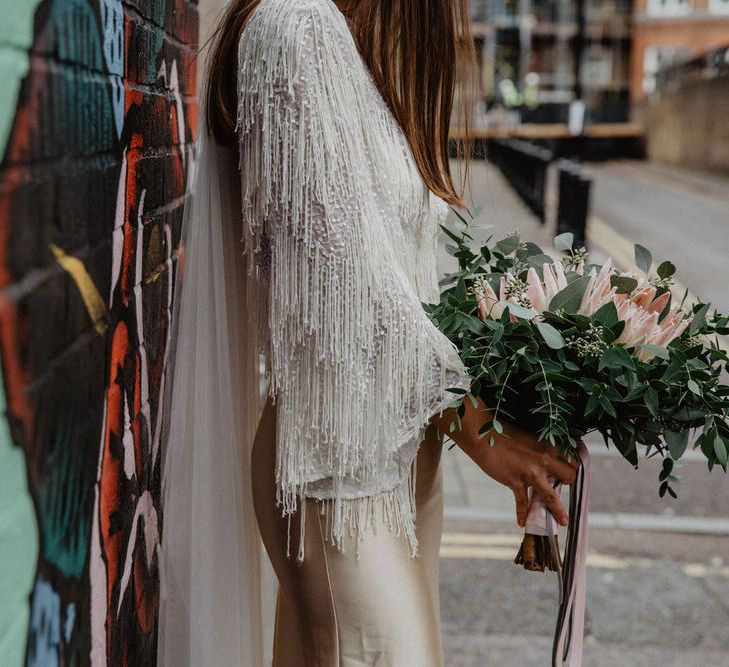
{"x": 96, "y": 123}
{"x": 692, "y": 34}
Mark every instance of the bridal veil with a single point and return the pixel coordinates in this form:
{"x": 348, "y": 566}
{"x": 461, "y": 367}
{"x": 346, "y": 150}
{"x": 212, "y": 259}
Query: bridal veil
{"x": 211, "y": 565}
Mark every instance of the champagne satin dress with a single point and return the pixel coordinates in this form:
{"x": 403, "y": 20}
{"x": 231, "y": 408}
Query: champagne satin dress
{"x": 337, "y": 609}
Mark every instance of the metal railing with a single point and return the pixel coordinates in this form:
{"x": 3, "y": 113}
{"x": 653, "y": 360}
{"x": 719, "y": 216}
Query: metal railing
{"x": 573, "y": 206}
{"x": 525, "y": 167}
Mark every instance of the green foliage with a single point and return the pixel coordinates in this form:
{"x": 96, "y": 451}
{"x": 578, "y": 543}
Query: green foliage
{"x": 528, "y": 369}
{"x": 643, "y": 258}
{"x": 570, "y": 298}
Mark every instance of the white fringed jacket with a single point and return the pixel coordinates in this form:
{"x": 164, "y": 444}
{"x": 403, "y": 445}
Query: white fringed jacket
{"x": 341, "y": 233}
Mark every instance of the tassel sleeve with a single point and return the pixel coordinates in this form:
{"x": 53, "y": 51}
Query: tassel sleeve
{"x": 356, "y": 366}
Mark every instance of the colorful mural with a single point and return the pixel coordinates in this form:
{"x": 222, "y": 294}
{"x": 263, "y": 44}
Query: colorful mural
{"x": 96, "y": 152}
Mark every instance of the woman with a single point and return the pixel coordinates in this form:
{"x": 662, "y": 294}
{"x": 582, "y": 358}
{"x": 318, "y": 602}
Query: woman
{"x": 339, "y": 114}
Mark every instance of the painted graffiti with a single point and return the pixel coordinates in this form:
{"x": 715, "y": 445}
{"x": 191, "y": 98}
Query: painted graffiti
{"x": 92, "y": 185}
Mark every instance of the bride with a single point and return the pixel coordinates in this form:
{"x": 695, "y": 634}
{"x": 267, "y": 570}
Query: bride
{"x": 324, "y": 146}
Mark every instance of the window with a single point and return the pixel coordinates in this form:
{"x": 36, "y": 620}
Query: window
{"x": 656, "y": 58}
{"x": 669, "y": 7}
{"x": 719, "y": 7}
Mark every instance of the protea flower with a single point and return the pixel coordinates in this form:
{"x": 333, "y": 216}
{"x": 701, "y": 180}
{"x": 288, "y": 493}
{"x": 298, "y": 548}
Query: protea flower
{"x": 541, "y": 293}
{"x": 640, "y": 311}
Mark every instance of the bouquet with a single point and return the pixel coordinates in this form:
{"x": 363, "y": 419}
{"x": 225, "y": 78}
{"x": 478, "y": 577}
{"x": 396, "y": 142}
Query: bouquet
{"x": 565, "y": 347}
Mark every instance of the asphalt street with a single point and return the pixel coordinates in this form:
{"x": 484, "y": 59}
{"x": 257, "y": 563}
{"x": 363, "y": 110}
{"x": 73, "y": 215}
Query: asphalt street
{"x": 658, "y": 569}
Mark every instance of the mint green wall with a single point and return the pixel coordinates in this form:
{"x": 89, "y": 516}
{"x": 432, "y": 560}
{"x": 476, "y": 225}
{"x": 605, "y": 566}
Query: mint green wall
{"x": 18, "y": 528}
{"x": 18, "y": 547}
{"x": 16, "y": 35}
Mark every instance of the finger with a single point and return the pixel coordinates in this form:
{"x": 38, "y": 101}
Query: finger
{"x": 522, "y": 504}
{"x": 571, "y": 459}
{"x": 562, "y": 470}
{"x": 551, "y": 500}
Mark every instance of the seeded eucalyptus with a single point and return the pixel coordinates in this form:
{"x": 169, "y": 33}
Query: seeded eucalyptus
{"x": 565, "y": 347}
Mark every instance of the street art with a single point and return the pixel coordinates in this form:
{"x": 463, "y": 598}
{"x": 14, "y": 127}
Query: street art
{"x": 95, "y": 162}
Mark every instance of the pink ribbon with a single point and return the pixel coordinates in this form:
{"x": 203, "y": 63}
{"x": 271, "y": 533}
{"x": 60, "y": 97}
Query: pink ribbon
{"x": 568, "y": 636}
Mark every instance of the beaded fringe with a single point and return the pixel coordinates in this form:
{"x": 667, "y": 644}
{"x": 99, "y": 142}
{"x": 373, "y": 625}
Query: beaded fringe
{"x": 355, "y": 366}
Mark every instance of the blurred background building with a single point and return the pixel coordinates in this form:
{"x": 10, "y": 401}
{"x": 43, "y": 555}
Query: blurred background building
{"x": 670, "y": 32}
{"x": 539, "y": 57}
{"x": 680, "y": 81}
{"x": 551, "y": 71}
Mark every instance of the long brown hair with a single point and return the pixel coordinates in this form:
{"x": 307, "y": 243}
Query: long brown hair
{"x": 417, "y": 50}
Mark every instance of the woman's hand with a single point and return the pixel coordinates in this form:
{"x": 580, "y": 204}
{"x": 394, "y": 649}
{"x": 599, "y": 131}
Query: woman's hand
{"x": 516, "y": 459}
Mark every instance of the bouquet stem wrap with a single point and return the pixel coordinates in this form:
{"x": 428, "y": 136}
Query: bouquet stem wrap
{"x": 540, "y": 550}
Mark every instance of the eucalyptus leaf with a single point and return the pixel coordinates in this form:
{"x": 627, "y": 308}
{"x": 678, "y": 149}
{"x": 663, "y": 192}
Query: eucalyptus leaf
{"x": 519, "y": 311}
{"x": 607, "y": 314}
{"x": 616, "y": 358}
{"x": 693, "y": 387}
{"x": 656, "y": 350}
{"x": 624, "y": 284}
{"x": 450, "y": 234}
{"x": 676, "y": 441}
{"x": 538, "y": 261}
{"x": 628, "y": 449}
{"x": 570, "y": 298}
{"x": 720, "y": 450}
{"x": 643, "y": 258}
{"x": 564, "y": 242}
{"x": 508, "y": 245}
{"x": 532, "y": 250}
{"x": 552, "y": 337}
{"x": 665, "y": 270}
{"x": 699, "y": 320}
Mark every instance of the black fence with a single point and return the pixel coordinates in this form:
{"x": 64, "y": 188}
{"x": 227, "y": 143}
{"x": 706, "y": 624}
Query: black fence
{"x": 525, "y": 166}
{"x": 573, "y": 208}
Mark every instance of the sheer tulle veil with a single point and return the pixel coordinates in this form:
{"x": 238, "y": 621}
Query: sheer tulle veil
{"x": 211, "y": 562}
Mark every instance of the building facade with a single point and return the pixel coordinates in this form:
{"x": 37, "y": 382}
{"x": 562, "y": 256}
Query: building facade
{"x": 542, "y": 55}
{"x": 668, "y": 32}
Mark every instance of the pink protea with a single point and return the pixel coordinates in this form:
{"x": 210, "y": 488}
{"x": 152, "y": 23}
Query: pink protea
{"x": 539, "y": 292}
{"x": 640, "y": 312}
{"x": 639, "y": 324}
{"x": 488, "y": 302}
{"x": 555, "y": 279}
{"x": 599, "y": 290}
{"x": 660, "y": 303}
{"x": 670, "y": 329}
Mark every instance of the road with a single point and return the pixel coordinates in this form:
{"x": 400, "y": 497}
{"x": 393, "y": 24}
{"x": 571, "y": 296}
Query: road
{"x": 674, "y": 213}
{"x": 658, "y": 570}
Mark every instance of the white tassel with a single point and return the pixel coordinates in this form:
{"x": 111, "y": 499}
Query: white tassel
{"x": 340, "y": 229}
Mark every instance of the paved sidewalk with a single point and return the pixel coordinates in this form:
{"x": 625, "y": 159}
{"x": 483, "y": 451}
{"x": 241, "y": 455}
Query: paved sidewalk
{"x": 658, "y": 574}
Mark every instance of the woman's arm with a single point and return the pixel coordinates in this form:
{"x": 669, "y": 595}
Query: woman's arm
{"x": 516, "y": 459}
